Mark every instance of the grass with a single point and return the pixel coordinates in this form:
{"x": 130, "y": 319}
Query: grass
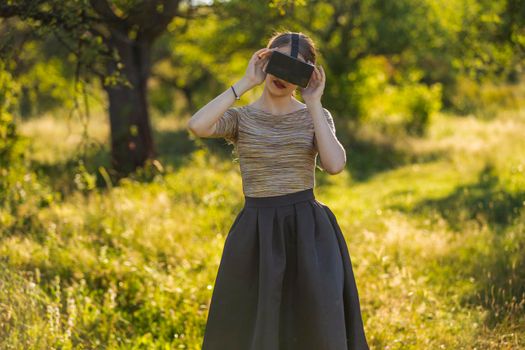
{"x": 435, "y": 228}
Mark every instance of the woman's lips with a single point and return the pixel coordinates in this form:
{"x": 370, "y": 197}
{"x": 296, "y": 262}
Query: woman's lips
{"x": 278, "y": 84}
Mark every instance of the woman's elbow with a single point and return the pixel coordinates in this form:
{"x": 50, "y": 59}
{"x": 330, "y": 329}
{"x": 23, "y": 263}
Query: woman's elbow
{"x": 334, "y": 169}
{"x": 190, "y": 125}
{"x": 195, "y": 130}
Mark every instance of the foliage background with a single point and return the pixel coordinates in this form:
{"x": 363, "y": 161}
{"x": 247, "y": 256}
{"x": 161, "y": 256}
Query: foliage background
{"x": 428, "y": 98}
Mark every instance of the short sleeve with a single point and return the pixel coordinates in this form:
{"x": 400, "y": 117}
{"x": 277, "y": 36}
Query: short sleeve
{"x": 330, "y": 120}
{"x": 228, "y": 125}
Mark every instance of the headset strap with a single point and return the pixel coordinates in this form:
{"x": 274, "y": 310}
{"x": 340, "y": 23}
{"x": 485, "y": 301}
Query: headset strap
{"x": 295, "y": 44}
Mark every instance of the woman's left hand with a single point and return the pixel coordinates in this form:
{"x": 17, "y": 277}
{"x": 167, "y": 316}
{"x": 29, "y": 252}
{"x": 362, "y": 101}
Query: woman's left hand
{"x": 313, "y": 92}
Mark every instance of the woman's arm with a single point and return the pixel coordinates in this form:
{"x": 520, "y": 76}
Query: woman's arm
{"x": 203, "y": 123}
{"x": 332, "y": 153}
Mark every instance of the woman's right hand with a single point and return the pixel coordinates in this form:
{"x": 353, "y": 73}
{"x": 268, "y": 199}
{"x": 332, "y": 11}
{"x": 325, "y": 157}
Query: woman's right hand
{"x": 254, "y": 73}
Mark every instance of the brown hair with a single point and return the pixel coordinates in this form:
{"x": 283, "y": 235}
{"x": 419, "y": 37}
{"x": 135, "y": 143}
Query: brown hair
{"x": 307, "y": 47}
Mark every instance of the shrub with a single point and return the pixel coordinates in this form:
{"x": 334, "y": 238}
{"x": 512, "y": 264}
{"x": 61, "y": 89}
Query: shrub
{"x": 420, "y": 102}
{"x": 21, "y": 192}
{"x": 485, "y": 99}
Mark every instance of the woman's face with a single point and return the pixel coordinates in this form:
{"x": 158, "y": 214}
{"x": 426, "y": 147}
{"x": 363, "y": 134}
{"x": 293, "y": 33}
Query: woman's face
{"x": 278, "y": 86}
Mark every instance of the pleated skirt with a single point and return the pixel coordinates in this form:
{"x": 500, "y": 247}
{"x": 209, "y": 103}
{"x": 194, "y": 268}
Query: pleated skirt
{"x": 285, "y": 280}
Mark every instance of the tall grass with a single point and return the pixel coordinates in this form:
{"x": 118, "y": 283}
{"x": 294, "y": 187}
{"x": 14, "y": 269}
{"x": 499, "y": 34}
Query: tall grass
{"x": 437, "y": 240}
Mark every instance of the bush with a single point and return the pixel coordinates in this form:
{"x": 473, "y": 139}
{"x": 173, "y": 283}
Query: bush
{"x": 45, "y": 87}
{"x": 21, "y": 192}
{"x": 397, "y": 102}
{"x": 484, "y": 100}
{"x": 419, "y": 103}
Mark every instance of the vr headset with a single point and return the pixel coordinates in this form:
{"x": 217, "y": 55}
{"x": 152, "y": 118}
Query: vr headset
{"x": 289, "y": 67}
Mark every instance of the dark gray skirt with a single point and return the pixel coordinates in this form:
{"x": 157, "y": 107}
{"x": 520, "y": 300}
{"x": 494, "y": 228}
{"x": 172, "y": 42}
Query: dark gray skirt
{"x": 285, "y": 280}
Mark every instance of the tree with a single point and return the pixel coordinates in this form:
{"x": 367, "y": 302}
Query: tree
{"x": 112, "y": 40}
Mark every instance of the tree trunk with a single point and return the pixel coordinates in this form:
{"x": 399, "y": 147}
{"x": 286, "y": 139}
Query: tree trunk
{"x": 131, "y": 134}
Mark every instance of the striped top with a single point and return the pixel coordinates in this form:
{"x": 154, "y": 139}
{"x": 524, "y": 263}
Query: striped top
{"x": 277, "y": 153}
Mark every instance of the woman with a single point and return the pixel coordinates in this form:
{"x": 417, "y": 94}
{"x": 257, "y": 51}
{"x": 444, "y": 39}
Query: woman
{"x": 285, "y": 279}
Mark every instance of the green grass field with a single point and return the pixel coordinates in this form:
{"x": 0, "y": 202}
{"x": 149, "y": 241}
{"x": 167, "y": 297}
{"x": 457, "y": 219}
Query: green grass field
{"x": 435, "y": 228}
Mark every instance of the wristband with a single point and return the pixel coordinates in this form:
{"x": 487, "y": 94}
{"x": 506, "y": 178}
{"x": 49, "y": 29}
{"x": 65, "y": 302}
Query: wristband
{"x": 236, "y": 97}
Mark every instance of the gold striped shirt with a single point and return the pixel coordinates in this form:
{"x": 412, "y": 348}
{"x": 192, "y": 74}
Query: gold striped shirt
{"x": 277, "y": 153}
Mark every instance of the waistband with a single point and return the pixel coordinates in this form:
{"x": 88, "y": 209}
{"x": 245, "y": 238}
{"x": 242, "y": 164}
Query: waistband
{"x": 283, "y": 199}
